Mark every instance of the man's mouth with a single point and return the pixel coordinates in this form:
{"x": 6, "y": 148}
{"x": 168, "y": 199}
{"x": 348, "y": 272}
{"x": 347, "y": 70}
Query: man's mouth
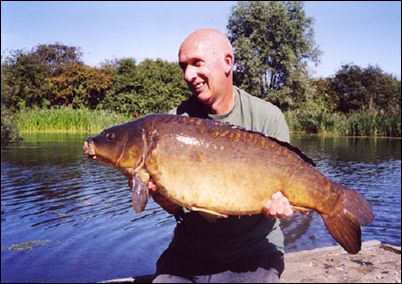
{"x": 199, "y": 86}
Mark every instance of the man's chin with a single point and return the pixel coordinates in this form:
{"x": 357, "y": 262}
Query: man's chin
{"x": 203, "y": 97}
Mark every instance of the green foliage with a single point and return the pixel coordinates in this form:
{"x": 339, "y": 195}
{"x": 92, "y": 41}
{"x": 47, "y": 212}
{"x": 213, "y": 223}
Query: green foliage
{"x": 9, "y": 131}
{"x": 68, "y": 119}
{"x": 25, "y": 81}
{"x": 49, "y": 81}
{"x": 371, "y": 123}
{"x": 367, "y": 89}
{"x": 311, "y": 117}
{"x": 56, "y": 56}
{"x": 325, "y": 92}
{"x": 273, "y": 41}
{"x": 356, "y": 102}
{"x": 27, "y": 74}
{"x": 80, "y": 86}
{"x": 359, "y": 123}
{"x": 154, "y": 86}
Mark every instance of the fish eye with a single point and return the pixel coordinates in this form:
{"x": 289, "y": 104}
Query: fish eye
{"x": 110, "y": 136}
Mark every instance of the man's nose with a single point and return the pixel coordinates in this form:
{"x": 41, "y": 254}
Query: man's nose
{"x": 190, "y": 74}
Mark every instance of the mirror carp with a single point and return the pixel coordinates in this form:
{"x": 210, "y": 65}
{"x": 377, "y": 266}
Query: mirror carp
{"x": 221, "y": 169}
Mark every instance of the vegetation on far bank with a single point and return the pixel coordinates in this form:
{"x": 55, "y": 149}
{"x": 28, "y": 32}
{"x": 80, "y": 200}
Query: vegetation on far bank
{"x": 93, "y": 121}
{"x": 68, "y": 119}
{"x": 50, "y": 88}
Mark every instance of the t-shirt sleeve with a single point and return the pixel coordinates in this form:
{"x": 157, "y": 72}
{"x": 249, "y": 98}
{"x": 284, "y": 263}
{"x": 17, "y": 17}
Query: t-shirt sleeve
{"x": 282, "y": 130}
{"x": 274, "y": 124}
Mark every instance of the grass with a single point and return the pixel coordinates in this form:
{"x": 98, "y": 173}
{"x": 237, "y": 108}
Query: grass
{"x": 84, "y": 120}
{"x": 359, "y": 123}
{"x": 68, "y": 119}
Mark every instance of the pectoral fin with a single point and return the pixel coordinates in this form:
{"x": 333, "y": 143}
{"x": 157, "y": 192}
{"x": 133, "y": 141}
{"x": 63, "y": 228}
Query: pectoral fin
{"x": 139, "y": 193}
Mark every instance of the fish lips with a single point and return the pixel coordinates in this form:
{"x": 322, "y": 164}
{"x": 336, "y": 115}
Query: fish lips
{"x": 89, "y": 149}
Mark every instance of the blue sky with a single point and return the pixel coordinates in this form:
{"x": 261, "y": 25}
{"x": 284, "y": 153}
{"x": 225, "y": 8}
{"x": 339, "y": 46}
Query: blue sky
{"x": 364, "y": 33}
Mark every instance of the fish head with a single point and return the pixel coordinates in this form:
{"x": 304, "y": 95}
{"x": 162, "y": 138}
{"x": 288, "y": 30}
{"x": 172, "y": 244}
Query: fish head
{"x": 121, "y": 146}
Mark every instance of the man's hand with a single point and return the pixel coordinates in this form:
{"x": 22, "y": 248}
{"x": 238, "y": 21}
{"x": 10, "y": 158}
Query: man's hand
{"x": 277, "y": 207}
{"x": 165, "y": 203}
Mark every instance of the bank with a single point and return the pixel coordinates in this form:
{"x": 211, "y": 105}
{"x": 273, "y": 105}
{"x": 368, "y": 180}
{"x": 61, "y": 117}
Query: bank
{"x": 375, "y": 263}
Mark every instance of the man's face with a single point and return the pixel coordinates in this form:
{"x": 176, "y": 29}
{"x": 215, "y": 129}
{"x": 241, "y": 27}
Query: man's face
{"x": 203, "y": 69}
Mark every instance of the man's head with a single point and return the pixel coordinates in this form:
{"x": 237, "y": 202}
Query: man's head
{"x": 206, "y": 58}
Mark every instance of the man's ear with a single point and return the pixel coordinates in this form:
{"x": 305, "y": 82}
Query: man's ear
{"x": 229, "y": 61}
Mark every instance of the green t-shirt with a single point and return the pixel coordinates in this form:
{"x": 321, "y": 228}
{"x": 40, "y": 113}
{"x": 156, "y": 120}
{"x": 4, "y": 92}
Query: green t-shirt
{"x": 230, "y": 239}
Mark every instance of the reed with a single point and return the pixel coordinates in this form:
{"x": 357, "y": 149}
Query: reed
{"x": 68, "y": 119}
{"x": 360, "y": 123}
{"x": 370, "y": 123}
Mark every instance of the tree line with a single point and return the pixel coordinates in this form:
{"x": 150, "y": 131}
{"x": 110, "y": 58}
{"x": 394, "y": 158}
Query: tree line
{"x": 273, "y": 43}
{"x": 54, "y": 75}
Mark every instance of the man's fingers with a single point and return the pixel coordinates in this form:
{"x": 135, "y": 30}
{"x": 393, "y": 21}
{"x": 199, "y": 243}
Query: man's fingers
{"x": 288, "y": 211}
{"x": 278, "y": 206}
{"x": 152, "y": 186}
{"x": 272, "y": 209}
{"x": 277, "y": 195}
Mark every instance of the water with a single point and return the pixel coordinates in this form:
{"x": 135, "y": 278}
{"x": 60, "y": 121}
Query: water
{"x": 65, "y": 218}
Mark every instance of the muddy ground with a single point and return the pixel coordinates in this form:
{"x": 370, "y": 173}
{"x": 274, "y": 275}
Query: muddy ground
{"x": 375, "y": 263}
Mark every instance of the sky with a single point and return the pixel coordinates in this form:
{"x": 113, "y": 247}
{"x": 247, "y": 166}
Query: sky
{"x": 352, "y": 32}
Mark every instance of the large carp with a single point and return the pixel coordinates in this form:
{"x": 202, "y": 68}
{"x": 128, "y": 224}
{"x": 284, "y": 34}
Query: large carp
{"x": 221, "y": 169}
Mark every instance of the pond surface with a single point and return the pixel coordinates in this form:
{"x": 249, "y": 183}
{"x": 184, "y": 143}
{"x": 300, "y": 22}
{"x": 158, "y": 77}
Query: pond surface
{"x": 66, "y": 218}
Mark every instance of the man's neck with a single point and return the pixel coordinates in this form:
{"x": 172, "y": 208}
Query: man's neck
{"x": 224, "y": 105}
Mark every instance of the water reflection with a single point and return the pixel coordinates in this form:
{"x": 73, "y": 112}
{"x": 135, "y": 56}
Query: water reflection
{"x": 81, "y": 210}
{"x": 349, "y": 149}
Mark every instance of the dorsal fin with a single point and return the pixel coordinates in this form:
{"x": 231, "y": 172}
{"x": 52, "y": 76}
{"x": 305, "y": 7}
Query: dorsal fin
{"x": 294, "y": 149}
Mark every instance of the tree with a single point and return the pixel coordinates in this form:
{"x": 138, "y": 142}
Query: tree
{"x": 27, "y": 74}
{"x": 24, "y": 81}
{"x": 367, "y": 89}
{"x": 273, "y": 42}
{"x": 153, "y": 86}
{"x": 80, "y": 85}
{"x": 57, "y": 56}
{"x": 123, "y": 76}
{"x": 324, "y": 90}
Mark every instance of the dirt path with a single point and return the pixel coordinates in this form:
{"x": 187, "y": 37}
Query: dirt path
{"x": 375, "y": 263}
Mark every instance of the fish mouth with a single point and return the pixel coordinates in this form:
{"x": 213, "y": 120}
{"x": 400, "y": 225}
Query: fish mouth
{"x": 89, "y": 149}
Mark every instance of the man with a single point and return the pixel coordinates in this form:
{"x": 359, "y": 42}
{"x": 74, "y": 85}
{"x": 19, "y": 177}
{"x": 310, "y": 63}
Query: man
{"x": 233, "y": 249}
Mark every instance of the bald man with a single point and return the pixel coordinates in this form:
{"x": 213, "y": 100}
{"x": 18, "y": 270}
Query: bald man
{"x": 233, "y": 249}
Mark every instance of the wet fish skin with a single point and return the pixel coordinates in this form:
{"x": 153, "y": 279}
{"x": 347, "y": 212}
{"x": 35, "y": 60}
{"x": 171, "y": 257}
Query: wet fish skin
{"x": 222, "y": 169}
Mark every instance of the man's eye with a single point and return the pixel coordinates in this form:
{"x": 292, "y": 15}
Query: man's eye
{"x": 197, "y": 63}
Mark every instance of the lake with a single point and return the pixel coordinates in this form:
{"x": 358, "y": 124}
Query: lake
{"x": 66, "y": 218}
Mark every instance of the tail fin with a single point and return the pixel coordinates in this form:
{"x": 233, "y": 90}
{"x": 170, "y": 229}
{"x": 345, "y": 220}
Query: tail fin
{"x": 344, "y": 225}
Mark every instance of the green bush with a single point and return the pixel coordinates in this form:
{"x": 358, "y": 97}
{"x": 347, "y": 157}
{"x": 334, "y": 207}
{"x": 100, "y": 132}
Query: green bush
{"x": 9, "y": 130}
